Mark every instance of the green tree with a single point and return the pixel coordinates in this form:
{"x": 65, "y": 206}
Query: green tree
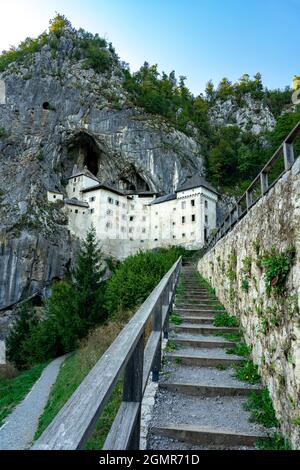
{"x": 87, "y": 281}
{"x": 25, "y": 322}
{"x": 59, "y": 24}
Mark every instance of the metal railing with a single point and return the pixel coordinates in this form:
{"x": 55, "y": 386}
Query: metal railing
{"x": 258, "y": 188}
{"x": 129, "y": 356}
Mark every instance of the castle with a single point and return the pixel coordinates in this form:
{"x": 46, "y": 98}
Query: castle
{"x": 127, "y": 221}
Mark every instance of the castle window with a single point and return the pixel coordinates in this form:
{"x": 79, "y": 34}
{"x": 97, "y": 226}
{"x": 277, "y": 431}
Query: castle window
{"x": 144, "y": 219}
{"x": 117, "y": 203}
{"x": 109, "y": 212}
{"x": 131, "y": 218}
{"x": 110, "y": 200}
{"x": 124, "y": 205}
{"x": 142, "y": 241}
{"x": 183, "y": 235}
{"x": 143, "y": 230}
{"x": 92, "y": 211}
{"x": 156, "y": 239}
{"x": 183, "y": 204}
{"x": 174, "y": 236}
{"x": 130, "y": 230}
{"x": 74, "y": 189}
{"x": 193, "y": 217}
{"x": 123, "y": 229}
{"x": 193, "y": 202}
{"x": 74, "y": 180}
{"x": 174, "y": 223}
{"x": 108, "y": 224}
{"x": 54, "y": 197}
{"x": 183, "y": 220}
{"x": 92, "y": 199}
{"x": 205, "y": 204}
{"x": 174, "y": 208}
{"x": 76, "y": 211}
{"x": 123, "y": 217}
{"x": 206, "y": 219}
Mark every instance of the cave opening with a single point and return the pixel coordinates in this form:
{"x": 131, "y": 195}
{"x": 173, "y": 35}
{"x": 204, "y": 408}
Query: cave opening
{"x": 85, "y": 152}
{"x": 133, "y": 182}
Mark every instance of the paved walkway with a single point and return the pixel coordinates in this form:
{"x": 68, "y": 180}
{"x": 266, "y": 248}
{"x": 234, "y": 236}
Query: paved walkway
{"x": 18, "y": 431}
{"x": 199, "y": 403}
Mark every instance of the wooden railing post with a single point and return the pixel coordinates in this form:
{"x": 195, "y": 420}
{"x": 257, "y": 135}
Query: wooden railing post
{"x": 157, "y": 326}
{"x": 264, "y": 182}
{"x": 133, "y": 389}
{"x": 288, "y": 153}
{"x": 166, "y": 308}
{"x": 248, "y": 199}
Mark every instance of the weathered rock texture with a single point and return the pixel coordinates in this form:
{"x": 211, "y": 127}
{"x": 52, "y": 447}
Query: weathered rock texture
{"x": 57, "y": 114}
{"x": 271, "y": 324}
{"x": 251, "y": 115}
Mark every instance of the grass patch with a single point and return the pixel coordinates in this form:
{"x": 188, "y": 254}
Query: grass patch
{"x": 74, "y": 370}
{"x": 175, "y": 319}
{"x": 240, "y": 349}
{"x": 247, "y": 372}
{"x": 97, "y": 439}
{"x": 226, "y": 320}
{"x": 274, "y": 442}
{"x": 261, "y": 409}
{"x": 171, "y": 346}
{"x": 178, "y": 360}
{"x": 13, "y": 390}
{"x": 221, "y": 367}
{"x": 235, "y": 337}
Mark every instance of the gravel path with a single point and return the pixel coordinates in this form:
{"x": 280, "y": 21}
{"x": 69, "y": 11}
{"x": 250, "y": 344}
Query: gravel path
{"x": 18, "y": 431}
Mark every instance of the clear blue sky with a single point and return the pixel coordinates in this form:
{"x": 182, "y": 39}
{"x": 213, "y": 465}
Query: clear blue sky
{"x": 201, "y": 39}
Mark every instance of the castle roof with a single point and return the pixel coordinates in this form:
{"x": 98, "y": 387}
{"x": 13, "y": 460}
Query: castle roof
{"x": 196, "y": 181}
{"x": 104, "y": 186}
{"x": 84, "y": 172}
{"x": 165, "y": 198}
{"x": 76, "y": 202}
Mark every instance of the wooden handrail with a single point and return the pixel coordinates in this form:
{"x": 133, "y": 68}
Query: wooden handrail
{"x": 127, "y": 356}
{"x": 285, "y": 151}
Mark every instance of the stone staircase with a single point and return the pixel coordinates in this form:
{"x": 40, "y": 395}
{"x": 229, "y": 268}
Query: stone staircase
{"x": 199, "y": 403}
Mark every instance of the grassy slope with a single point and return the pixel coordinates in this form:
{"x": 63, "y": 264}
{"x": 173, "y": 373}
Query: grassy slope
{"x": 71, "y": 374}
{"x": 13, "y": 390}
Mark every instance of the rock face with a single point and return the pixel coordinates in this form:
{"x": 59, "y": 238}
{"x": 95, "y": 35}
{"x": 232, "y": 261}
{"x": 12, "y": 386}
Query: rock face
{"x": 54, "y": 114}
{"x": 251, "y": 115}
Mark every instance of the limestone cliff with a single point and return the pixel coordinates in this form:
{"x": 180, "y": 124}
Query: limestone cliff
{"x": 56, "y": 113}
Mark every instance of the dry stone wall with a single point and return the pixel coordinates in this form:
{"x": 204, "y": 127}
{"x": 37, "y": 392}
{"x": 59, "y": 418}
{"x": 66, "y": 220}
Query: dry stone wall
{"x": 270, "y": 321}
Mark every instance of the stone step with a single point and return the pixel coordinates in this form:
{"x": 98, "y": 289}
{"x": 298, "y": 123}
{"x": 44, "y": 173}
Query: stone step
{"x": 203, "y": 330}
{"x": 197, "y": 320}
{"x": 214, "y": 342}
{"x": 208, "y": 436}
{"x": 195, "y": 313}
{"x": 207, "y": 390}
{"x": 195, "y": 310}
{"x": 204, "y": 357}
{"x": 196, "y": 305}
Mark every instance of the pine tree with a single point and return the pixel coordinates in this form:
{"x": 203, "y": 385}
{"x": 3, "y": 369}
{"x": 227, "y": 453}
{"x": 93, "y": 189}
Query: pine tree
{"x": 87, "y": 277}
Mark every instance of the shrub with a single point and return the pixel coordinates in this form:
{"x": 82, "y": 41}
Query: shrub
{"x": 135, "y": 278}
{"x": 277, "y": 267}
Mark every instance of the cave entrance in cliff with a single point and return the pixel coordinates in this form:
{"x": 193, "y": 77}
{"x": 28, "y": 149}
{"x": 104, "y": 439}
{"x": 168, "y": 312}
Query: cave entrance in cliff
{"x": 85, "y": 152}
{"x": 133, "y": 181}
